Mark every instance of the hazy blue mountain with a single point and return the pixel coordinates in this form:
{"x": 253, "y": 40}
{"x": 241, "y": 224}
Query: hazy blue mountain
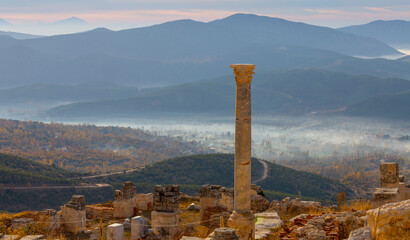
{"x": 297, "y": 91}
{"x": 280, "y": 31}
{"x": 4, "y": 22}
{"x": 386, "y": 106}
{"x": 183, "y": 51}
{"x": 395, "y": 32}
{"x": 71, "y": 20}
{"x": 17, "y": 35}
{"x": 46, "y": 93}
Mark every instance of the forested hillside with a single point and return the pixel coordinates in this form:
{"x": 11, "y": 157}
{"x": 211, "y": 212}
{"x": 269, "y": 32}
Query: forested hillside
{"x": 194, "y": 171}
{"x": 17, "y": 170}
{"x": 88, "y": 148}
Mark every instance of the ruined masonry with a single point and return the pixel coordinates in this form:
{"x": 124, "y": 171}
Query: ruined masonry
{"x": 73, "y": 216}
{"x": 393, "y": 188}
{"x": 164, "y": 218}
{"x": 214, "y": 201}
{"x": 125, "y": 204}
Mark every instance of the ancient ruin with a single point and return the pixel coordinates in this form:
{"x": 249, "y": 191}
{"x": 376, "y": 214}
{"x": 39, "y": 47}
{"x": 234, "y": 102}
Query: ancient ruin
{"x": 125, "y": 205}
{"x": 242, "y": 218}
{"x": 214, "y": 200}
{"x": 393, "y": 188}
{"x": 73, "y": 215}
{"x": 164, "y": 218}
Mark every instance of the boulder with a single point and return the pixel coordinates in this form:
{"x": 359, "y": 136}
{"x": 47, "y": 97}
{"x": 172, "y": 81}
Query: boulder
{"x": 363, "y": 233}
{"x": 390, "y": 221}
{"x": 259, "y": 203}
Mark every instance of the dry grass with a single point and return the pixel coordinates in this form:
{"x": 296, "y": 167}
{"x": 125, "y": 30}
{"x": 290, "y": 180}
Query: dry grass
{"x": 357, "y": 205}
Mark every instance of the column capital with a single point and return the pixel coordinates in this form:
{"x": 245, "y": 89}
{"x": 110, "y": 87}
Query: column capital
{"x": 243, "y": 72}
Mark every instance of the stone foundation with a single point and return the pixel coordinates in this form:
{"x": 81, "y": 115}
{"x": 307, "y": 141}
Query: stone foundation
{"x": 73, "y": 215}
{"x": 125, "y": 205}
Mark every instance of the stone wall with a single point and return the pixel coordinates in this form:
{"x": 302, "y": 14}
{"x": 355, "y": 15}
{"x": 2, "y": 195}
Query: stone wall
{"x": 164, "y": 218}
{"x": 73, "y": 215}
{"x": 95, "y": 212}
{"x": 145, "y": 202}
{"x": 125, "y": 204}
{"x": 214, "y": 199}
{"x": 166, "y": 199}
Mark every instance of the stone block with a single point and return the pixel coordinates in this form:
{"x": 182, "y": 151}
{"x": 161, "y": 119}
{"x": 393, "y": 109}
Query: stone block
{"x": 32, "y": 237}
{"x": 363, "y": 233}
{"x": 165, "y": 223}
{"x": 385, "y": 195}
{"x": 115, "y": 232}
{"x": 21, "y": 222}
{"x": 139, "y": 228}
{"x": 390, "y": 221}
{"x": 389, "y": 175}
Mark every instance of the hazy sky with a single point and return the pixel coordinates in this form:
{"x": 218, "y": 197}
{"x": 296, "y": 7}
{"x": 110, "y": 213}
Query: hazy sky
{"x": 134, "y": 13}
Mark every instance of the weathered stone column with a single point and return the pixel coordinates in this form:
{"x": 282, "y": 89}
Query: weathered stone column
{"x": 242, "y": 218}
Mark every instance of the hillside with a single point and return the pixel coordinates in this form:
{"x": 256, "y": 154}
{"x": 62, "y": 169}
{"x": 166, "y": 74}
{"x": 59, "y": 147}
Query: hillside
{"x": 51, "y": 93}
{"x": 186, "y": 50}
{"x": 394, "y": 32}
{"x": 16, "y": 170}
{"x": 88, "y": 148}
{"x": 219, "y": 169}
{"x": 297, "y": 91}
{"x": 385, "y": 106}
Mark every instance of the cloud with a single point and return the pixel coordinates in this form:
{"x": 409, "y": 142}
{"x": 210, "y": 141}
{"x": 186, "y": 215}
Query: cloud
{"x": 377, "y": 9}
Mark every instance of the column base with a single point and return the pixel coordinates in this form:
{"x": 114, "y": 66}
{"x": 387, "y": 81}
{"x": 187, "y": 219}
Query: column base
{"x": 244, "y": 224}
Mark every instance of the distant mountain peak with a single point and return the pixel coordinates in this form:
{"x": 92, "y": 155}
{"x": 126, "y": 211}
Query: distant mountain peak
{"x": 4, "y": 22}
{"x": 72, "y": 20}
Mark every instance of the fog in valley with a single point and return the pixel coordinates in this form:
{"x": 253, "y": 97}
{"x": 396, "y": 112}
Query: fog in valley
{"x": 274, "y": 138}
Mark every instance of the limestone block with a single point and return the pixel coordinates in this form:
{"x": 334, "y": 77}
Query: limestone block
{"x": 73, "y": 220}
{"x": 191, "y": 238}
{"x": 32, "y": 237}
{"x": 115, "y": 231}
{"x": 390, "y": 221}
{"x": 21, "y": 222}
{"x": 225, "y": 234}
{"x": 363, "y": 233}
{"x": 385, "y": 195}
{"x": 145, "y": 202}
{"x": 94, "y": 212}
{"x": 139, "y": 228}
{"x": 402, "y": 191}
{"x": 389, "y": 175}
{"x": 125, "y": 208}
{"x": 265, "y": 222}
{"x": 10, "y": 237}
{"x": 165, "y": 223}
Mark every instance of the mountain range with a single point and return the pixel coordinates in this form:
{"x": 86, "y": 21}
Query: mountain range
{"x": 393, "y": 32}
{"x": 185, "y": 51}
{"x": 277, "y": 92}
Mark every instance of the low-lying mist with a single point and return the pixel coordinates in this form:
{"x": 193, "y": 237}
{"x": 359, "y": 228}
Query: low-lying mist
{"x": 279, "y": 137}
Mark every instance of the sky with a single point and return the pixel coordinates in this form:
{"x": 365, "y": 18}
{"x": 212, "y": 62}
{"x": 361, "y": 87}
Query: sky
{"x": 25, "y": 15}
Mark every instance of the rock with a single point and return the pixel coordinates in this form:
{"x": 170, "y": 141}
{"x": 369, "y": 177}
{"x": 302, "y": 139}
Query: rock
{"x": 348, "y": 224}
{"x": 265, "y": 222}
{"x": 32, "y": 237}
{"x": 363, "y": 233}
{"x": 390, "y": 221}
{"x": 300, "y": 216}
{"x": 292, "y": 208}
{"x": 193, "y": 207}
{"x": 316, "y": 234}
{"x": 259, "y": 203}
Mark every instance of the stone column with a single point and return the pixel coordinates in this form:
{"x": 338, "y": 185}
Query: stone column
{"x": 242, "y": 218}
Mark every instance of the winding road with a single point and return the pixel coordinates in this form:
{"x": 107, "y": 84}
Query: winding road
{"x": 265, "y": 172}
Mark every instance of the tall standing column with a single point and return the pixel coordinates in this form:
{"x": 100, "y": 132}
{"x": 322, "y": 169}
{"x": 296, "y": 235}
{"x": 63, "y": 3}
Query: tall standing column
{"x": 242, "y": 218}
